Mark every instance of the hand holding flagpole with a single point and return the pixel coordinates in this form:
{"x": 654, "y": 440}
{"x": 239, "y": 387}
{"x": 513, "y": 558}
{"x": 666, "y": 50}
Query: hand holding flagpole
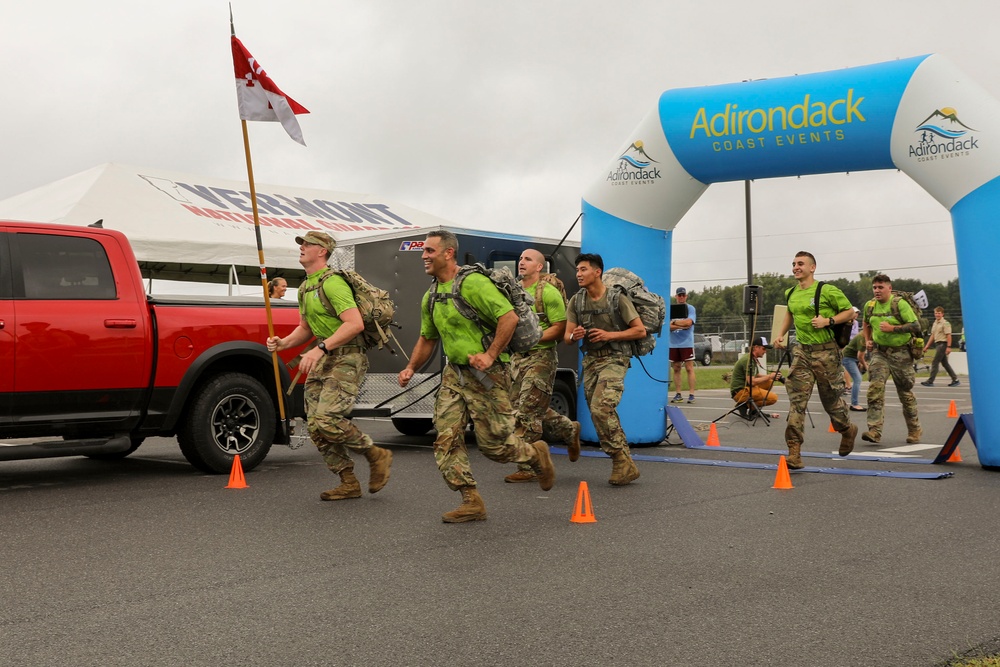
{"x": 260, "y": 99}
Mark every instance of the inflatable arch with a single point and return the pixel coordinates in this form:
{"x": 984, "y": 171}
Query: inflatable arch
{"x": 919, "y": 115}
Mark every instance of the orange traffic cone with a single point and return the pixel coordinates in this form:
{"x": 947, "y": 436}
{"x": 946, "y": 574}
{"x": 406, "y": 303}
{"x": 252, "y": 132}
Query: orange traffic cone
{"x": 782, "y": 480}
{"x": 955, "y": 457}
{"x": 236, "y": 478}
{"x": 832, "y": 429}
{"x": 713, "y": 437}
{"x": 582, "y": 511}
{"x": 953, "y": 410}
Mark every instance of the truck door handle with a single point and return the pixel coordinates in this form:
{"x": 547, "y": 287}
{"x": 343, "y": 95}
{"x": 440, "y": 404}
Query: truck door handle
{"x": 119, "y": 324}
{"x": 2, "y": 324}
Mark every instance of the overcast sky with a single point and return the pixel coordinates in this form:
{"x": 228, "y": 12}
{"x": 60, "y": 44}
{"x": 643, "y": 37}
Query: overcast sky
{"x": 494, "y": 113}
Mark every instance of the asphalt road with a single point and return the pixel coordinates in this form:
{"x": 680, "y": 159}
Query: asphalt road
{"x": 145, "y": 561}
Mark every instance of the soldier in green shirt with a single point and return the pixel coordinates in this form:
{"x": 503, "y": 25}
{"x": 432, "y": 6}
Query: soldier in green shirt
{"x": 475, "y": 383}
{"x": 816, "y": 358}
{"x": 890, "y": 324}
{"x": 334, "y": 370}
{"x": 534, "y": 371}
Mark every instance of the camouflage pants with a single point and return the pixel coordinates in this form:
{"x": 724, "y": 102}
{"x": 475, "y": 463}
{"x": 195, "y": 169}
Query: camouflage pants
{"x": 534, "y": 375}
{"x": 461, "y": 397}
{"x": 603, "y": 384}
{"x": 898, "y": 363}
{"x": 330, "y": 391}
{"x": 820, "y": 368}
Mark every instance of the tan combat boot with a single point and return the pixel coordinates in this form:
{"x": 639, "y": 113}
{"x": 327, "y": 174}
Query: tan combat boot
{"x": 349, "y": 487}
{"x": 871, "y": 435}
{"x": 471, "y": 509}
{"x": 573, "y": 446}
{"x": 623, "y": 469}
{"x": 847, "y": 440}
{"x": 521, "y": 476}
{"x": 379, "y": 460}
{"x": 914, "y": 436}
{"x": 542, "y": 465}
{"x": 794, "y": 458}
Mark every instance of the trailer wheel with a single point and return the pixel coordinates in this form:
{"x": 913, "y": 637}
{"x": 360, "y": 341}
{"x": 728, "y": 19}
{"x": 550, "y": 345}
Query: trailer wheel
{"x": 564, "y": 399}
{"x": 413, "y": 425}
{"x": 228, "y": 414}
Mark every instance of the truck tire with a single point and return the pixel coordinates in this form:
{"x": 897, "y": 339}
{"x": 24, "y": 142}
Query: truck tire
{"x": 228, "y": 414}
{"x": 706, "y": 359}
{"x": 564, "y": 399}
{"x": 413, "y": 425}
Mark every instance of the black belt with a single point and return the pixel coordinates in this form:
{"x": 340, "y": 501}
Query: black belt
{"x": 889, "y": 348}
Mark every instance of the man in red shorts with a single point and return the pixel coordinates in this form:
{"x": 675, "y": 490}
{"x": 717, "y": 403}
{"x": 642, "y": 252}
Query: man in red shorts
{"x": 682, "y": 347}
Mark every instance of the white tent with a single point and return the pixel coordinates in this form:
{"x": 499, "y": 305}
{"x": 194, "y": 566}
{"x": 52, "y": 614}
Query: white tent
{"x": 184, "y": 226}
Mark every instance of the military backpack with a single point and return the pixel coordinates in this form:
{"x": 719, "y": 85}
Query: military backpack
{"x": 374, "y": 304}
{"x": 651, "y": 307}
{"x": 528, "y": 331}
{"x": 916, "y": 340}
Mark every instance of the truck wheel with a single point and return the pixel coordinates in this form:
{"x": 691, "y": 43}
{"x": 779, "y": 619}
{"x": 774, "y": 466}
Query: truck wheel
{"x": 564, "y": 399}
{"x": 413, "y": 425}
{"x": 706, "y": 359}
{"x": 227, "y": 415}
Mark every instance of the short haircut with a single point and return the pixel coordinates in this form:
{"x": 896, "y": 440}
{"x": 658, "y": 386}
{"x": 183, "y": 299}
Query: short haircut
{"x": 882, "y": 278}
{"x": 939, "y": 309}
{"x": 448, "y": 239}
{"x": 803, "y": 253}
{"x": 591, "y": 258}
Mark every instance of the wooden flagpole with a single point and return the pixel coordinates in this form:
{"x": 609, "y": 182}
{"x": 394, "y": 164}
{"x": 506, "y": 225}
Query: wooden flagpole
{"x": 286, "y": 427}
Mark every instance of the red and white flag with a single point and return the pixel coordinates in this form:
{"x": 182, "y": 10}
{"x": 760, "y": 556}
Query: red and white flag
{"x": 259, "y": 98}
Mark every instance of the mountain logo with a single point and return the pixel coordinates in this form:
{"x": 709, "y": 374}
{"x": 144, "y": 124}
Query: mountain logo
{"x": 943, "y": 123}
{"x": 634, "y": 167}
{"x": 635, "y": 155}
{"x": 942, "y": 136}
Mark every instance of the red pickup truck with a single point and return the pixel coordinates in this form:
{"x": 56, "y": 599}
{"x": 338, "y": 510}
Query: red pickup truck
{"x": 91, "y": 365}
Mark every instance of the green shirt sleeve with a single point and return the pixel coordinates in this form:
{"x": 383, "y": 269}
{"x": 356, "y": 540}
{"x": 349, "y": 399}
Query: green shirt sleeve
{"x": 427, "y": 328}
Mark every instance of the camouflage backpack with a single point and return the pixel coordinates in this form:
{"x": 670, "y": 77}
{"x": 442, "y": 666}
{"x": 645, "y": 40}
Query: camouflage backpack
{"x": 916, "y": 340}
{"x": 374, "y": 304}
{"x": 553, "y": 280}
{"x": 526, "y": 334}
{"x": 651, "y": 307}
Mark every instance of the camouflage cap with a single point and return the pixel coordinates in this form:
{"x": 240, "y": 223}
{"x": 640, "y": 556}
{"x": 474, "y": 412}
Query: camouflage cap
{"x": 321, "y": 239}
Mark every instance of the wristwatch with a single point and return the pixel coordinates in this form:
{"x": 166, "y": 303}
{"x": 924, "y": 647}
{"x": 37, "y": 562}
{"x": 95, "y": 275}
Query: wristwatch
{"x": 832, "y": 322}
{"x": 322, "y": 345}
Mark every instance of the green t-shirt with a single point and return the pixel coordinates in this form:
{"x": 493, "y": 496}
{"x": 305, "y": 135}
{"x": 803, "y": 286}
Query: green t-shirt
{"x": 739, "y": 380}
{"x": 883, "y": 312}
{"x": 459, "y": 335}
{"x": 856, "y": 347}
{"x": 552, "y": 306}
{"x": 802, "y": 307}
{"x": 322, "y": 323}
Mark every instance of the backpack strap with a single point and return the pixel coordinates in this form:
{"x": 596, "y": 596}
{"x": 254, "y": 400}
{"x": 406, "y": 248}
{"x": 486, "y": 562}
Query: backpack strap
{"x": 819, "y": 288}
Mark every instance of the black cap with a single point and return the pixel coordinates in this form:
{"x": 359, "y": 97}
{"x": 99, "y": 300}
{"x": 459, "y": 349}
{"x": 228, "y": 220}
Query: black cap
{"x": 760, "y": 340}
{"x": 681, "y": 290}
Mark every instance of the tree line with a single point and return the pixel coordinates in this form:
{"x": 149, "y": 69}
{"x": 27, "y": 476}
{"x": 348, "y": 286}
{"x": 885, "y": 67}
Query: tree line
{"x": 720, "y": 309}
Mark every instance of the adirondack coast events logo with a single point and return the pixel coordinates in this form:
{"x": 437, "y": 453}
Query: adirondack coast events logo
{"x": 943, "y": 136}
{"x": 634, "y": 167}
